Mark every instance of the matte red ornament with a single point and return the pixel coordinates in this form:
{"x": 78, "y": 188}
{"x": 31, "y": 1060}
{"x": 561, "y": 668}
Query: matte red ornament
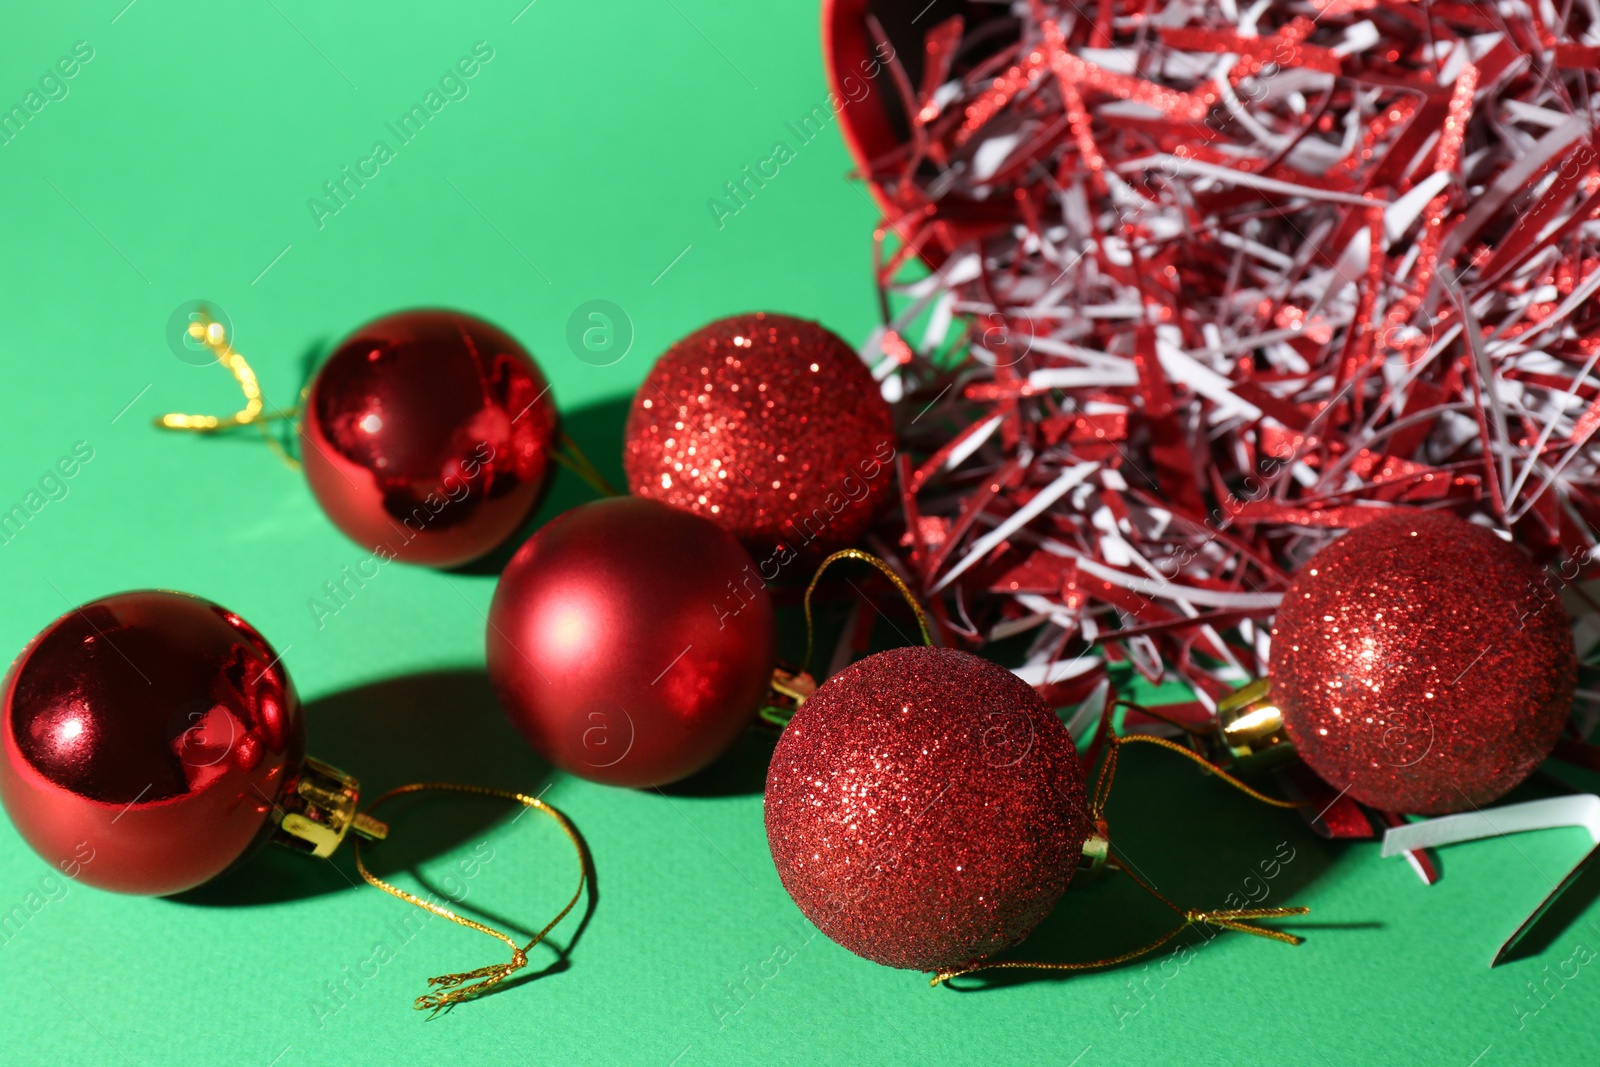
{"x": 428, "y": 436}
{"x": 925, "y": 808}
{"x": 1422, "y": 663}
{"x": 631, "y": 641}
{"x": 147, "y": 737}
{"x": 770, "y": 426}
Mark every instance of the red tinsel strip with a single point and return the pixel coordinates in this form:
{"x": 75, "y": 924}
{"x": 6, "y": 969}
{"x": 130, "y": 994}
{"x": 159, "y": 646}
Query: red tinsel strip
{"x": 1214, "y": 283}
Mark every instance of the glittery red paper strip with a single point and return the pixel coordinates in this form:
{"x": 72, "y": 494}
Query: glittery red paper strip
{"x": 1210, "y": 290}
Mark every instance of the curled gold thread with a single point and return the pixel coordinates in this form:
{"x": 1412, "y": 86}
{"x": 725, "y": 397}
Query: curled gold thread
{"x": 214, "y": 336}
{"x": 1237, "y": 919}
{"x": 1228, "y": 919}
{"x": 1173, "y": 746}
{"x": 451, "y": 989}
{"x": 888, "y": 572}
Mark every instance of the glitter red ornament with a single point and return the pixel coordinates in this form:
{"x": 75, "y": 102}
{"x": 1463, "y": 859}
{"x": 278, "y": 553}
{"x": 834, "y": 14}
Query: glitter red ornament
{"x": 771, "y": 427}
{"x": 151, "y": 740}
{"x": 428, "y": 435}
{"x": 1421, "y": 662}
{"x": 925, "y": 808}
{"x": 631, "y": 641}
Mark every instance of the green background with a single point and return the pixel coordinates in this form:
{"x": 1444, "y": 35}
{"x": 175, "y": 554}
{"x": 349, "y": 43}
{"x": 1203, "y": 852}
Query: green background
{"x": 579, "y": 166}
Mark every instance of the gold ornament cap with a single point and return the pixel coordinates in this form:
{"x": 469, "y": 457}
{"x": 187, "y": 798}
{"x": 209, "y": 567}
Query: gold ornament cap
{"x": 1096, "y": 850}
{"x": 787, "y": 690}
{"x": 319, "y": 808}
{"x": 1250, "y": 724}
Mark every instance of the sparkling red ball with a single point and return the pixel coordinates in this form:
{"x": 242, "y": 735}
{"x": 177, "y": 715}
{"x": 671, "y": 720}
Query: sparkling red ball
{"x": 770, "y": 426}
{"x": 1422, "y": 663}
{"x": 146, "y": 736}
{"x": 925, "y": 808}
{"x": 427, "y": 436}
{"x": 631, "y": 641}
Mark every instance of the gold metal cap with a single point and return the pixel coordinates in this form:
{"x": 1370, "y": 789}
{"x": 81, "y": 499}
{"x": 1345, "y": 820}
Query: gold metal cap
{"x": 1096, "y": 850}
{"x": 1249, "y": 723}
{"x": 785, "y": 693}
{"x": 319, "y": 808}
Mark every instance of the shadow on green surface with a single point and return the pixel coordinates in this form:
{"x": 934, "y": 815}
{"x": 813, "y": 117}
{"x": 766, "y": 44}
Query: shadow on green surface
{"x": 1553, "y": 780}
{"x": 740, "y": 771}
{"x": 520, "y": 928}
{"x": 1202, "y": 845}
{"x": 597, "y": 430}
{"x": 1563, "y": 914}
{"x": 440, "y": 726}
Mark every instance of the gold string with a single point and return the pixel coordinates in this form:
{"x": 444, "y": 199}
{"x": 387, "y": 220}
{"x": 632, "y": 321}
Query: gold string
{"x": 452, "y": 988}
{"x": 1235, "y": 919}
{"x": 1151, "y": 739}
{"x": 570, "y": 456}
{"x": 214, "y": 336}
{"x": 888, "y": 572}
{"x": 1229, "y": 919}
{"x": 1221, "y": 918}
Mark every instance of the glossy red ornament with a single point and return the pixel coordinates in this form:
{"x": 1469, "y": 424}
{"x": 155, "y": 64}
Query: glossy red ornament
{"x": 630, "y": 641}
{"x": 770, "y": 426}
{"x": 1422, "y": 663}
{"x": 925, "y": 808}
{"x": 146, "y": 739}
{"x": 428, "y": 436}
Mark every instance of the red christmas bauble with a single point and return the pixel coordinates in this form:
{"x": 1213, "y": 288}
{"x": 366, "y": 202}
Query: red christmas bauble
{"x": 428, "y": 436}
{"x": 770, "y": 426}
{"x": 631, "y": 641}
{"x": 1423, "y": 663}
{"x": 925, "y": 808}
{"x": 146, "y": 739}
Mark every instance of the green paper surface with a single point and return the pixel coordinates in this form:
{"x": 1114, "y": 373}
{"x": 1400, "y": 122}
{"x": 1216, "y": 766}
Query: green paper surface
{"x": 576, "y": 164}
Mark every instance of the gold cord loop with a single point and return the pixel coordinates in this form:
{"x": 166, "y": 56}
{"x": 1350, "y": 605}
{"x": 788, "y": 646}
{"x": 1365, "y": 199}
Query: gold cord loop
{"x": 454, "y": 988}
{"x": 1228, "y": 919}
{"x": 888, "y": 572}
{"x": 214, "y": 336}
{"x": 1237, "y": 919}
{"x": 1224, "y": 918}
{"x": 1173, "y": 746}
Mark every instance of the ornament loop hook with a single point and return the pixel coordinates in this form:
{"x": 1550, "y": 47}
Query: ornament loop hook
{"x": 888, "y": 572}
{"x": 790, "y": 689}
{"x": 214, "y": 336}
{"x": 1103, "y": 787}
{"x": 451, "y": 989}
{"x": 1236, "y": 919}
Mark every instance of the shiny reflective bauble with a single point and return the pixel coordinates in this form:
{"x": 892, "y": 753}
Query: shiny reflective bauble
{"x": 771, "y": 427}
{"x": 1423, "y": 664}
{"x": 428, "y": 436}
{"x": 925, "y": 808}
{"x": 630, "y": 641}
{"x": 146, "y": 737}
